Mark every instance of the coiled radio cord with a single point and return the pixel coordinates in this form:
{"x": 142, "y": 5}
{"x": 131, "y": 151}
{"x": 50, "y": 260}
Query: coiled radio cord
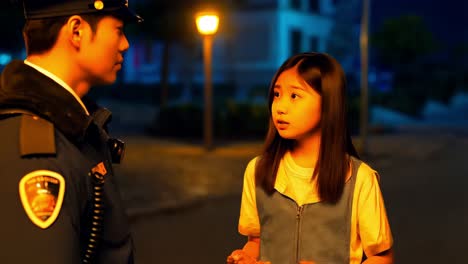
{"x": 97, "y": 217}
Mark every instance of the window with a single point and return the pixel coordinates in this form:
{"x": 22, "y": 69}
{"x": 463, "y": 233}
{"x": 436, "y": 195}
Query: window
{"x": 314, "y": 6}
{"x": 296, "y": 39}
{"x": 296, "y": 4}
{"x": 314, "y": 43}
{"x": 256, "y": 48}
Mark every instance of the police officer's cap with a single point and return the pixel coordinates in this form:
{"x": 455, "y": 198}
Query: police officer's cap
{"x": 38, "y": 9}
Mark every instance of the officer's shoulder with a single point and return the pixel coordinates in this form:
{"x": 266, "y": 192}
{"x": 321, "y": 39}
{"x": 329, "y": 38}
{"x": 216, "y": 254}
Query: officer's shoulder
{"x": 36, "y": 136}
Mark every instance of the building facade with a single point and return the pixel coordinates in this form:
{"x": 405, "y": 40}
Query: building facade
{"x": 253, "y": 42}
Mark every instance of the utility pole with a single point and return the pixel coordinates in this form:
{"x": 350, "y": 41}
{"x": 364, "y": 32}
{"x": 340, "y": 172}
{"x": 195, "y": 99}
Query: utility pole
{"x": 364, "y": 46}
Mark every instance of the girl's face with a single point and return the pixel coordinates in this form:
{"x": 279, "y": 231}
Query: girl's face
{"x": 296, "y": 107}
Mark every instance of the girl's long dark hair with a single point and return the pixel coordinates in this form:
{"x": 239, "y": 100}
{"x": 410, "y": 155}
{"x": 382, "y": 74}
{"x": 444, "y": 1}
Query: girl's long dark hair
{"x": 325, "y": 75}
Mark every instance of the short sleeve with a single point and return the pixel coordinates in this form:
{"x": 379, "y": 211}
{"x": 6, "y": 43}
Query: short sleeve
{"x": 249, "y": 224}
{"x": 373, "y": 226}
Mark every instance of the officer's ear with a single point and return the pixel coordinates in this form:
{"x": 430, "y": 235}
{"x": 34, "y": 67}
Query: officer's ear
{"x": 74, "y": 28}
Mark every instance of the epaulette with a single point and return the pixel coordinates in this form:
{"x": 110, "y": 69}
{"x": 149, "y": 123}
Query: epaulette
{"x": 36, "y": 136}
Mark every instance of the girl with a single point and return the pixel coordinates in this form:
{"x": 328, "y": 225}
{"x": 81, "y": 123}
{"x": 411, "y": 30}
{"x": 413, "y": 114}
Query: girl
{"x": 308, "y": 198}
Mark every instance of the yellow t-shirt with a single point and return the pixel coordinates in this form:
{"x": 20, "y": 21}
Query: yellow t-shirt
{"x": 370, "y": 230}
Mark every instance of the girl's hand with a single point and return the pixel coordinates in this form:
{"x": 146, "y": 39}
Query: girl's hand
{"x": 240, "y": 257}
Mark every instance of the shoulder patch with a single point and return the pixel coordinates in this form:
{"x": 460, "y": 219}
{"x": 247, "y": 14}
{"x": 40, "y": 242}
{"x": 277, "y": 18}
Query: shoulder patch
{"x": 37, "y": 136}
{"x": 41, "y": 194}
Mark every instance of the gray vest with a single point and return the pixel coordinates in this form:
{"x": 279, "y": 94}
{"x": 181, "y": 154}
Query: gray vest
{"x": 317, "y": 232}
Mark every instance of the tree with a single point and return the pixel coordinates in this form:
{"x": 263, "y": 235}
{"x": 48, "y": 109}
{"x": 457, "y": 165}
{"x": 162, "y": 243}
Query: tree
{"x": 459, "y": 60}
{"x": 404, "y": 45}
{"x": 170, "y": 22}
{"x": 11, "y": 17}
{"x": 403, "y": 40}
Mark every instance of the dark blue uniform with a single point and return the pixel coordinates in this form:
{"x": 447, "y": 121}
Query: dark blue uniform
{"x": 49, "y": 148}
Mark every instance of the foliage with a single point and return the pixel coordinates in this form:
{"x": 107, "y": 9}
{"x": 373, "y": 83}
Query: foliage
{"x": 11, "y": 17}
{"x": 259, "y": 91}
{"x": 403, "y": 40}
{"x": 134, "y": 92}
{"x": 179, "y": 121}
{"x": 408, "y": 100}
{"x": 221, "y": 92}
{"x": 171, "y": 20}
{"x": 459, "y": 62}
{"x": 244, "y": 120}
{"x": 406, "y": 46}
{"x": 231, "y": 121}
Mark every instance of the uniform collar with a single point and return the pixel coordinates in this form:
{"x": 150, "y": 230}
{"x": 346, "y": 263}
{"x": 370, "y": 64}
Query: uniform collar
{"x": 24, "y": 87}
{"x": 58, "y": 80}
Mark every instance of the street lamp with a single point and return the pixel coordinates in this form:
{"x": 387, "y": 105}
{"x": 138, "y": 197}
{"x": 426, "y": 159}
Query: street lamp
{"x": 207, "y": 25}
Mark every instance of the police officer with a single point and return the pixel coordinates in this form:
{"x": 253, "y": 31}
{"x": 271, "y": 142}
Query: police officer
{"x": 59, "y": 199}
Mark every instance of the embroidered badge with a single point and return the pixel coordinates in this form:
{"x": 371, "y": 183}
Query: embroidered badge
{"x": 41, "y": 194}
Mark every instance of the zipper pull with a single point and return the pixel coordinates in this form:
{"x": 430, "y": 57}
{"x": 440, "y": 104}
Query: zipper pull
{"x": 299, "y": 212}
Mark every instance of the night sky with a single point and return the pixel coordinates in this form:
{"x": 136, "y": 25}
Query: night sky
{"x": 447, "y": 19}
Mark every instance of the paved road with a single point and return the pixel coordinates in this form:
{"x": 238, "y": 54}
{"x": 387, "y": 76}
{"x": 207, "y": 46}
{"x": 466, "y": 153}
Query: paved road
{"x": 424, "y": 178}
{"x": 427, "y": 202}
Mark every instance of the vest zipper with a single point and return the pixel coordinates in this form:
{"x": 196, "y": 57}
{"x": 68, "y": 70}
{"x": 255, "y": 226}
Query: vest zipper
{"x": 300, "y": 209}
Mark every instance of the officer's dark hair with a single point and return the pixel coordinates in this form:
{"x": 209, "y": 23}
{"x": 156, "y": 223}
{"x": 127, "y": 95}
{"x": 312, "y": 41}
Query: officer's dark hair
{"x": 40, "y": 35}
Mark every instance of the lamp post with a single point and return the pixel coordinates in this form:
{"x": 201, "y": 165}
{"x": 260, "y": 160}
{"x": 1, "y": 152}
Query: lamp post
{"x": 207, "y": 25}
{"x": 364, "y": 45}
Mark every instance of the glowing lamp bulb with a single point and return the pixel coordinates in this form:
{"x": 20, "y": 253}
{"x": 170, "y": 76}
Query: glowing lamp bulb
{"x": 207, "y": 24}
